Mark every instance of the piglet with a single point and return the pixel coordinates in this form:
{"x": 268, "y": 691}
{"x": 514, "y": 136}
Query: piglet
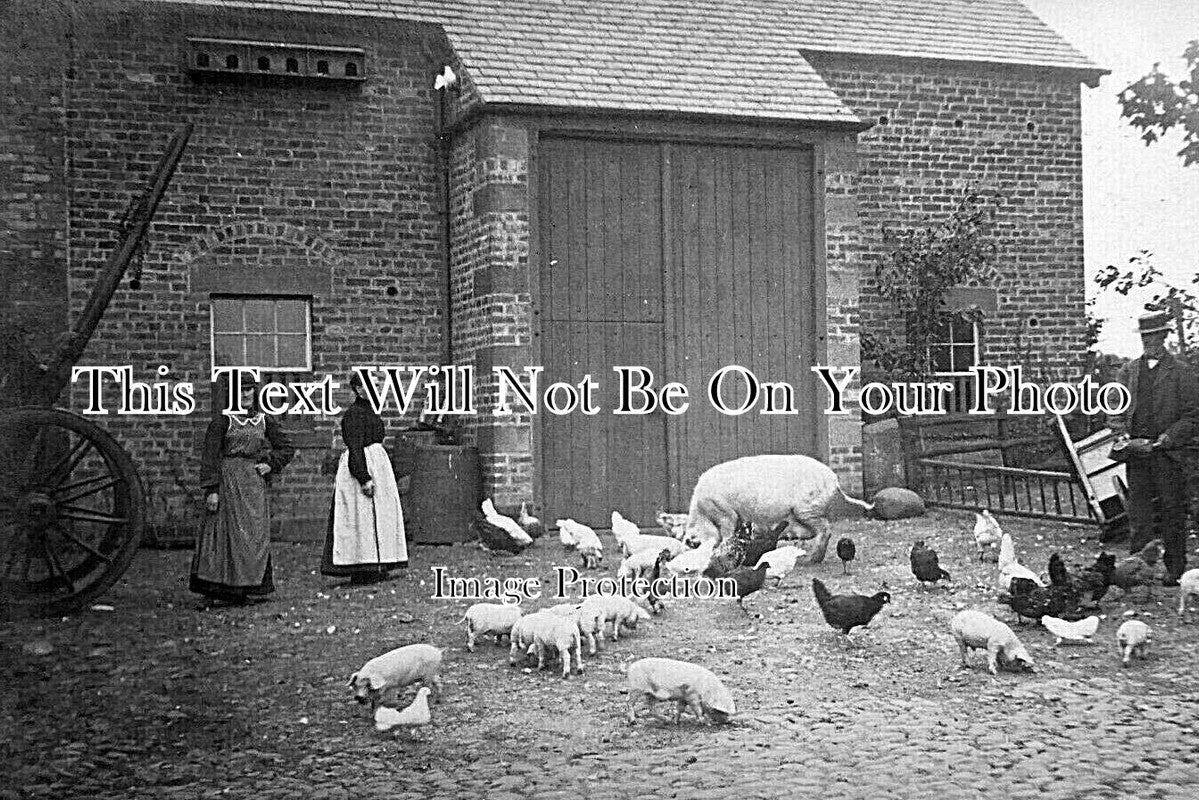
{"x": 975, "y": 630}
{"x": 394, "y": 670}
{"x": 489, "y": 618}
{"x": 620, "y": 610}
{"x": 688, "y": 685}
{"x": 1133, "y": 638}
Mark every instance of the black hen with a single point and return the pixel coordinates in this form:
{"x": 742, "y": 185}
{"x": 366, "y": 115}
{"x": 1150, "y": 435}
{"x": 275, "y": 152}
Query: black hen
{"x": 925, "y": 565}
{"x": 748, "y": 581}
{"x": 763, "y": 543}
{"x": 1092, "y": 582}
{"x": 1058, "y": 599}
{"x": 846, "y": 550}
{"x": 847, "y": 611}
{"x": 495, "y": 538}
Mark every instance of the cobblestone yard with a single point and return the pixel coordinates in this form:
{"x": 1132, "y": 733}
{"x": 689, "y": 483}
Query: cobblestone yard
{"x": 162, "y": 698}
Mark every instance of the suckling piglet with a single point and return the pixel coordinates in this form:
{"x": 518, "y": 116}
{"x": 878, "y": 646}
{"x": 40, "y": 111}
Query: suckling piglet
{"x": 620, "y": 610}
{"x": 1133, "y": 638}
{"x": 394, "y": 670}
{"x": 690, "y": 686}
{"x": 559, "y": 633}
{"x": 589, "y": 622}
{"x": 976, "y": 630}
{"x": 489, "y": 618}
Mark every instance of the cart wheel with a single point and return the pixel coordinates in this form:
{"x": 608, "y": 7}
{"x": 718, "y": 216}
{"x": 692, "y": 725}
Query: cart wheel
{"x": 71, "y": 511}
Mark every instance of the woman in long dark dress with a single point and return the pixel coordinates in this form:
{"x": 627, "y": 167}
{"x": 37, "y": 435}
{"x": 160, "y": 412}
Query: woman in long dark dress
{"x": 242, "y": 453}
{"x": 365, "y": 537}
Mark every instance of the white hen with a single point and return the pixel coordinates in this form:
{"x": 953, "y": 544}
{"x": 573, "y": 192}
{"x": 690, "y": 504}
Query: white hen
{"x": 780, "y": 561}
{"x": 693, "y": 562}
{"x": 622, "y": 529}
{"x": 1010, "y": 568}
{"x": 414, "y": 715}
{"x": 986, "y": 533}
{"x": 510, "y": 526}
{"x": 576, "y": 534}
{"x": 1079, "y": 632}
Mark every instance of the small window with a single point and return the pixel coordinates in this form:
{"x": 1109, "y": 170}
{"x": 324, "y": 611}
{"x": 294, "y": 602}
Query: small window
{"x": 322, "y": 67}
{"x": 292, "y": 65}
{"x": 954, "y": 347}
{"x": 202, "y": 60}
{"x": 264, "y": 63}
{"x": 257, "y": 331}
{"x": 232, "y": 62}
{"x": 351, "y": 69}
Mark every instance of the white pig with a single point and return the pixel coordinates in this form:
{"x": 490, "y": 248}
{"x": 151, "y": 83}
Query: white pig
{"x": 1133, "y": 638}
{"x": 976, "y": 630}
{"x": 394, "y": 670}
{"x": 620, "y": 610}
{"x": 493, "y": 618}
{"x": 689, "y": 685}
{"x": 553, "y": 631}
{"x": 590, "y": 624}
{"x": 766, "y": 490}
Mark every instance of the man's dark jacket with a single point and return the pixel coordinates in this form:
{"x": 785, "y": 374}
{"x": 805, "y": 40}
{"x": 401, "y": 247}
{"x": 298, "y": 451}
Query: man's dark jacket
{"x": 1175, "y": 401}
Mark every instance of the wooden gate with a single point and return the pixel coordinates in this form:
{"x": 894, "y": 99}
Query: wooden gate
{"x": 683, "y": 258}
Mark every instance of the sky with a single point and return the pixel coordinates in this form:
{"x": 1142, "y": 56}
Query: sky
{"x": 1134, "y": 197}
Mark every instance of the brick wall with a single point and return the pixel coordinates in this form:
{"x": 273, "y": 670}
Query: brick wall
{"x": 281, "y": 182}
{"x": 1013, "y": 130}
{"x": 33, "y": 212}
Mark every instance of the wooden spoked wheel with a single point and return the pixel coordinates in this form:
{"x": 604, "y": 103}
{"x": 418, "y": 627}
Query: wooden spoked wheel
{"x": 71, "y": 511}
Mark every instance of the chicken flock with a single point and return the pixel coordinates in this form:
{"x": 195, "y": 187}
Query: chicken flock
{"x": 1063, "y": 600}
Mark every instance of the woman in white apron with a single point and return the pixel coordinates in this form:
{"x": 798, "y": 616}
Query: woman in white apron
{"x": 365, "y": 538}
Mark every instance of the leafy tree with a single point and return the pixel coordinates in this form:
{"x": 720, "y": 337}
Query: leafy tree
{"x": 1141, "y": 273}
{"x": 1155, "y": 104}
{"x": 921, "y": 266}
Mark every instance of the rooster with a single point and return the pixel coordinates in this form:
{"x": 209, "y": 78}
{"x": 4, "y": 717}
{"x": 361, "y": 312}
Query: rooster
{"x": 986, "y": 533}
{"x": 529, "y": 523}
{"x": 651, "y": 575}
{"x": 845, "y": 612}
{"x": 730, "y": 554}
{"x": 925, "y": 565}
{"x": 1140, "y": 569}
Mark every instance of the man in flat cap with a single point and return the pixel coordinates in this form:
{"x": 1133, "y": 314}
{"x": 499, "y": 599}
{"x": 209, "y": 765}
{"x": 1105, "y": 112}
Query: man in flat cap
{"x": 1160, "y": 422}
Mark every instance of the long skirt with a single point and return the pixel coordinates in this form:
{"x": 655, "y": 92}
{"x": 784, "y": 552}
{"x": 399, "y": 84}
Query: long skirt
{"x": 365, "y": 534}
{"x": 232, "y": 560}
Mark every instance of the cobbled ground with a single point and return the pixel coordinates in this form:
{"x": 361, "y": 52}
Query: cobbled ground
{"x": 164, "y": 698}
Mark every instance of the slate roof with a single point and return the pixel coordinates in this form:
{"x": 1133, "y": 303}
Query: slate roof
{"x": 740, "y": 58}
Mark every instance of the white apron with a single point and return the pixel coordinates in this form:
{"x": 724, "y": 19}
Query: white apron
{"x": 368, "y": 530}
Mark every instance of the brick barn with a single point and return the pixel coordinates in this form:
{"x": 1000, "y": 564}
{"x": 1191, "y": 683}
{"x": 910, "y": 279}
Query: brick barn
{"x": 679, "y": 185}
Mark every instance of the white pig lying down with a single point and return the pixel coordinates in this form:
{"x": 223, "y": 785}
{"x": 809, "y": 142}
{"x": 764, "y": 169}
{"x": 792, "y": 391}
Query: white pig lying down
{"x": 543, "y": 631}
{"x": 767, "y": 490}
{"x": 394, "y": 670}
{"x": 976, "y": 630}
{"x": 489, "y": 618}
{"x": 619, "y": 610}
{"x": 690, "y": 686}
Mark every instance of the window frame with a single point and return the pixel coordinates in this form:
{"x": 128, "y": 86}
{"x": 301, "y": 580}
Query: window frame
{"x": 976, "y": 343}
{"x": 307, "y": 300}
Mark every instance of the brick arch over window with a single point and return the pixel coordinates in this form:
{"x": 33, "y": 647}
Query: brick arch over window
{"x": 263, "y": 258}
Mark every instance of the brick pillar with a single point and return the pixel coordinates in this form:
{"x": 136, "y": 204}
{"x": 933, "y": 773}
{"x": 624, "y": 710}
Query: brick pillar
{"x": 841, "y": 233}
{"x": 491, "y": 293}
